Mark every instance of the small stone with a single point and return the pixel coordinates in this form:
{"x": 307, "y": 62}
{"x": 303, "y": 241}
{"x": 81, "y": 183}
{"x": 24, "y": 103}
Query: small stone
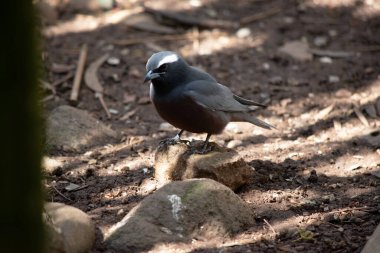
{"x": 377, "y": 106}
{"x": 276, "y": 80}
{"x": 326, "y": 60}
{"x": 243, "y": 32}
{"x": 298, "y": 50}
{"x": 266, "y": 66}
{"x": 69, "y": 229}
{"x": 113, "y": 61}
{"x": 343, "y": 93}
{"x": 313, "y": 178}
{"x": 120, "y": 212}
{"x": 115, "y": 77}
{"x": 320, "y": 41}
{"x": 334, "y": 79}
{"x": 71, "y": 187}
{"x": 234, "y": 143}
{"x": 166, "y": 127}
{"x": 370, "y": 110}
{"x": 289, "y": 20}
{"x": 113, "y": 111}
{"x": 333, "y": 33}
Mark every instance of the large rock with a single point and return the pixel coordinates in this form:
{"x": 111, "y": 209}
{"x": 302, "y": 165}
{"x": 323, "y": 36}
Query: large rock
{"x": 179, "y": 162}
{"x": 373, "y": 243}
{"x": 72, "y": 129}
{"x": 69, "y": 229}
{"x": 178, "y": 212}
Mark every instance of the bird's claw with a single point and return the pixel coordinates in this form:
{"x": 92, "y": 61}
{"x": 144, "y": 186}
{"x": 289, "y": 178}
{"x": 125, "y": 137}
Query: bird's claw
{"x": 171, "y": 141}
{"x": 202, "y": 151}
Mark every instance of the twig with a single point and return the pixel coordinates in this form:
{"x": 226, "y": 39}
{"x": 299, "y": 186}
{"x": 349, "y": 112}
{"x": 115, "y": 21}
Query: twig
{"x": 261, "y": 15}
{"x": 104, "y": 105}
{"x": 61, "y": 194}
{"x": 78, "y": 75}
{"x": 270, "y": 226}
{"x": 361, "y": 117}
{"x": 63, "y": 79}
{"x": 79, "y": 188}
{"x": 129, "y": 42}
{"x": 333, "y": 54}
{"x": 190, "y": 20}
{"x": 93, "y": 83}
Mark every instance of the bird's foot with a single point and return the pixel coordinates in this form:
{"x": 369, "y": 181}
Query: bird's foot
{"x": 202, "y": 151}
{"x": 171, "y": 141}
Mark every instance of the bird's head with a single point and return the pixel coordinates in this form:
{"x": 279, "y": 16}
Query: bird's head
{"x": 165, "y": 67}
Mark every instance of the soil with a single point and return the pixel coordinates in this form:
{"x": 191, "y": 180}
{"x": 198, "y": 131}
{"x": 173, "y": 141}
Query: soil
{"x": 317, "y": 184}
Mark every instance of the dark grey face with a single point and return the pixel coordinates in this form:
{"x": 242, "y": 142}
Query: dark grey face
{"x": 165, "y": 69}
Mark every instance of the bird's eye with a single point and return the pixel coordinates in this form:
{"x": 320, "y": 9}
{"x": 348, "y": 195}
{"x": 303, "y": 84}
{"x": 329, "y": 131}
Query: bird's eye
{"x": 163, "y": 67}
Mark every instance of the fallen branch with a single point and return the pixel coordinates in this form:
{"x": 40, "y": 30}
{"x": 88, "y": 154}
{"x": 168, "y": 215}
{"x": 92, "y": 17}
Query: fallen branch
{"x": 92, "y": 81}
{"x": 61, "y": 194}
{"x": 78, "y": 75}
{"x": 261, "y": 15}
{"x": 332, "y": 54}
{"x": 270, "y": 226}
{"x": 192, "y": 21}
{"x": 129, "y": 42}
{"x": 63, "y": 79}
{"x": 361, "y": 117}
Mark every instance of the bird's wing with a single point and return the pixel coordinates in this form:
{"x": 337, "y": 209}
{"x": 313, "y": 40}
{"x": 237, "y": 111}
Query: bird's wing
{"x": 247, "y": 101}
{"x": 214, "y": 96}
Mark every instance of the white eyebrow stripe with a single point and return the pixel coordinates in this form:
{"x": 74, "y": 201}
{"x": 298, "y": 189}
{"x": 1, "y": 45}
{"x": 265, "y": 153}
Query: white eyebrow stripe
{"x": 168, "y": 59}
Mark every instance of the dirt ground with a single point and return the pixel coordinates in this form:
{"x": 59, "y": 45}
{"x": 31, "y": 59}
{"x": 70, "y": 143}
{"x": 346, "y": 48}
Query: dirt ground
{"x": 317, "y": 183}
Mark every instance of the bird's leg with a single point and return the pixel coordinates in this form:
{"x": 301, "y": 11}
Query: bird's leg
{"x": 174, "y": 140}
{"x": 204, "y": 149}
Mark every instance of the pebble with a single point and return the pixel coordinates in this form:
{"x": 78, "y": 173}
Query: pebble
{"x": 113, "y": 111}
{"x": 113, "y": 61}
{"x": 326, "y": 60}
{"x": 243, "y": 32}
{"x": 234, "y": 143}
{"x": 334, "y": 79}
{"x": 320, "y": 41}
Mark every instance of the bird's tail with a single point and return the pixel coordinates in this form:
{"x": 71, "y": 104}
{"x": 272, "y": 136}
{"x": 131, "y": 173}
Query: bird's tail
{"x": 244, "y": 117}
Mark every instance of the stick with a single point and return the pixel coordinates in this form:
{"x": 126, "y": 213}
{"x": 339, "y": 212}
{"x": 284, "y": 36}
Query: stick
{"x": 361, "y": 117}
{"x": 63, "y": 79}
{"x": 192, "y": 21}
{"x": 78, "y": 75}
{"x": 261, "y": 15}
{"x": 332, "y": 54}
{"x": 104, "y": 105}
{"x": 61, "y": 194}
{"x": 129, "y": 42}
{"x": 270, "y": 226}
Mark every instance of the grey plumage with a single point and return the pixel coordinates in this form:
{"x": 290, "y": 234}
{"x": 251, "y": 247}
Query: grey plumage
{"x": 191, "y": 99}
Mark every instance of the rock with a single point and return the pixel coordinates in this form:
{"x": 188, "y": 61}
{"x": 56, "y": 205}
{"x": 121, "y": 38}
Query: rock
{"x": 334, "y": 79}
{"x": 320, "y": 41}
{"x": 72, "y": 129}
{"x": 326, "y": 59}
{"x": 377, "y": 106}
{"x": 243, "y": 32}
{"x": 69, "y": 229}
{"x": 234, "y": 143}
{"x": 146, "y": 22}
{"x": 373, "y": 243}
{"x": 179, "y": 212}
{"x": 298, "y": 50}
{"x": 370, "y": 110}
{"x": 179, "y": 162}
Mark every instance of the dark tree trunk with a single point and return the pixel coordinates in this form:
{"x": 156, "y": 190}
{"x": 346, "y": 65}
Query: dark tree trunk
{"x": 21, "y": 228}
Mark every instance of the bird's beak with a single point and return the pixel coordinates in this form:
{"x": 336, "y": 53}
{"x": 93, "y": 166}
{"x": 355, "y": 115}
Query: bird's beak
{"x": 150, "y": 76}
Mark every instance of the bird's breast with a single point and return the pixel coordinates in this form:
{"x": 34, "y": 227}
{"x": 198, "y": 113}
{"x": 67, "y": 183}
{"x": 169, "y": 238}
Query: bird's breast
{"x": 182, "y": 112}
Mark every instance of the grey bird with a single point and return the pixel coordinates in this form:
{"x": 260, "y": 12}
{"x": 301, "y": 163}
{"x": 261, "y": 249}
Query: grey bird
{"x": 192, "y": 100}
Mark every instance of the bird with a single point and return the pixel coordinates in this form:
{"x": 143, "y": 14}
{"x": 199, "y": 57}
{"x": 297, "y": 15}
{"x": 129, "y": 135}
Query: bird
{"x": 193, "y": 100}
